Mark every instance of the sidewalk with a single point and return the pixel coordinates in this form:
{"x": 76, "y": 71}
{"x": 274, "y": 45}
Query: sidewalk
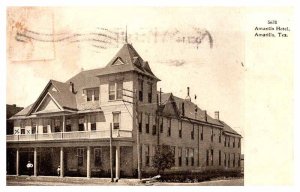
{"x": 53, "y": 180}
{"x": 25, "y": 180}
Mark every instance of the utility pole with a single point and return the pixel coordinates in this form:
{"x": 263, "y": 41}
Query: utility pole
{"x": 136, "y": 119}
{"x": 110, "y": 153}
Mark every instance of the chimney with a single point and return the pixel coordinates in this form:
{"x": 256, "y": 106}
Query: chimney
{"x": 205, "y": 115}
{"x": 188, "y": 94}
{"x": 217, "y": 115}
{"x": 72, "y": 87}
{"x": 182, "y": 107}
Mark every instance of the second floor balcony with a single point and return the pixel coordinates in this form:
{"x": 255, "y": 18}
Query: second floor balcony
{"x": 105, "y": 134}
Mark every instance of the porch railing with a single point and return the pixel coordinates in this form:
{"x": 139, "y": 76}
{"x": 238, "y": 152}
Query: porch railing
{"x": 70, "y": 135}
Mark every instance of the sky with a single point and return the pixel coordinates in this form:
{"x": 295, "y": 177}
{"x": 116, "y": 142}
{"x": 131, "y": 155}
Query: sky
{"x": 200, "y": 48}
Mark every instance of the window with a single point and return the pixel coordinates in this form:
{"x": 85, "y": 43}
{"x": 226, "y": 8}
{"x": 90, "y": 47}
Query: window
{"x": 97, "y": 157}
{"x": 220, "y": 157}
{"x": 81, "y": 124}
{"x": 225, "y": 140}
{"x": 141, "y": 89}
{"x": 239, "y": 161}
{"x": 120, "y": 90}
{"x": 33, "y": 126}
{"x": 239, "y": 143}
{"x": 140, "y": 121}
{"x": 169, "y": 127}
{"x": 173, "y": 152}
{"x": 92, "y": 94}
{"x": 180, "y": 130}
{"x": 154, "y": 127}
{"x": 186, "y": 156}
{"x": 46, "y": 122}
{"x": 80, "y": 152}
{"x": 233, "y": 159}
{"x": 225, "y": 158}
{"x": 162, "y": 125}
{"x": 207, "y": 157}
{"x": 116, "y": 120}
{"x": 150, "y": 92}
{"x": 228, "y": 164}
{"x": 68, "y": 125}
{"x": 93, "y": 123}
{"x": 234, "y": 142}
{"x": 147, "y": 123}
{"x": 89, "y": 94}
{"x": 57, "y": 125}
{"x": 22, "y": 125}
{"x": 192, "y": 132}
{"x": 212, "y": 135}
{"x": 179, "y": 156}
{"x": 112, "y": 91}
{"x": 147, "y": 155}
{"x": 212, "y": 156}
{"x": 192, "y": 156}
{"x": 201, "y": 133}
{"x": 220, "y": 136}
{"x": 96, "y": 94}
{"x": 228, "y": 142}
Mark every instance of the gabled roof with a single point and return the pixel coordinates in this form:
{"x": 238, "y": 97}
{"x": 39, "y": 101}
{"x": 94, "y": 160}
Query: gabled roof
{"x": 62, "y": 95}
{"x": 228, "y": 129}
{"x": 127, "y": 59}
{"x": 189, "y": 108}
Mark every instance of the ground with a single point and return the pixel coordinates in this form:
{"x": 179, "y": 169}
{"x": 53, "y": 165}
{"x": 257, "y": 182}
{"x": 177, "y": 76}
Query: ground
{"x": 56, "y": 181}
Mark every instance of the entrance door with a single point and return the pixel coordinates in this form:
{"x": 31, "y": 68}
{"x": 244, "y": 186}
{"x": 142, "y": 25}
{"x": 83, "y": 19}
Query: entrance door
{"x": 25, "y": 156}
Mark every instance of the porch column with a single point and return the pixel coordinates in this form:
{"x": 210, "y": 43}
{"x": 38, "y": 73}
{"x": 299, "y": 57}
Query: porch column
{"x": 64, "y": 123}
{"x": 88, "y": 162}
{"x": 117, "y": 162}
{"x": 17, "y": 162}
{"x": 61, "y": 162}
{"x": 35, "y": 162}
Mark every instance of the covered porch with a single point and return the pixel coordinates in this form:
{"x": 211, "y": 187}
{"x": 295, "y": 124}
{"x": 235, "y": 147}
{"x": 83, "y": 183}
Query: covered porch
{"x": 77, "y": 159}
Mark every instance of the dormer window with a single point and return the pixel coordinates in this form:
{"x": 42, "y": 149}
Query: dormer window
{"x": 92, "y": 94}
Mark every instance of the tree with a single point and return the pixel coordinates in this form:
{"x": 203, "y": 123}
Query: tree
{"x": 164, "y": 158}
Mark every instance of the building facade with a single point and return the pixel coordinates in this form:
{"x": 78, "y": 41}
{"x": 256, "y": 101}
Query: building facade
{"x": 71, "y": 123}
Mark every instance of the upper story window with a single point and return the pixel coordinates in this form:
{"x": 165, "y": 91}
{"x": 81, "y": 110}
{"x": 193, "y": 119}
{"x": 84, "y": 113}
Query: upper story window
{"x": 192, "y": 132}
{"x": 220, "y": 136}
{"x": 115, "y": 90}
{"x": 93, "y": 122}
{"x": 162, "y": 125}
{"x": 239, "y": 143}
{"x": 180, "y": 130}
{"x": 150, "y": 92}
{"x": 212, "y": 135}
{"x": 233, "y": 142}
{"x": 169, "y": 127}
{"x": 33, "y": 126}
{"x": 154, "y": 126}
{"x": 147, "y": 123}
{"x": 141, "y": 89}
{"x": 81, "y": 124}
{"x": 92, "y": 94}
{"x": 57, "y": 125}
{"x": 201, "y": 136}
{"x": 22, "y": 125}
{"x": 116, "y": 120}
{"x": 68, "y": 125}
{"x": 140, "y": 121}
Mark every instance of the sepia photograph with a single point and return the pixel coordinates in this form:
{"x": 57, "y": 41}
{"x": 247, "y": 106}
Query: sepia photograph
{"x": 147, "y": 96}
